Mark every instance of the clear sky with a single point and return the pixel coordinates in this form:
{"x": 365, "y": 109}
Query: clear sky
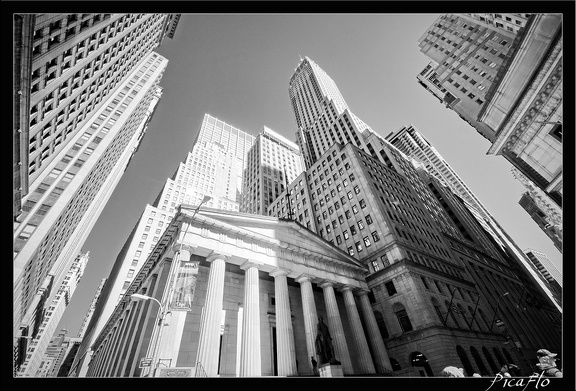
{"x": 237, "y": 67}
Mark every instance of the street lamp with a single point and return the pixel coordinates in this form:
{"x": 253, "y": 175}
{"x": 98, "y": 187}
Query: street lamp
{"x": 138, "y": 296}
{"x": 497, "y": 305}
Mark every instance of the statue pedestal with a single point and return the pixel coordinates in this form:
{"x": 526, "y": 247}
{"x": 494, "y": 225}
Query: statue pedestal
{"x": 330, "y": 370}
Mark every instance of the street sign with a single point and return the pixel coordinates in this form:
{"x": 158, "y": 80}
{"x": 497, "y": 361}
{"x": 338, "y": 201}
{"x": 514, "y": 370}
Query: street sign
{"x": 145, "y": 362}
{"x": 176, "y": 372}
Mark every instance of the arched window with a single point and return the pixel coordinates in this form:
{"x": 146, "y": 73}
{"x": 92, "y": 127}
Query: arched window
{"x": 474, "y": 318}
{"x": 417, "y": 359}
{"x": 479, "y": 362}
{"x": 498, "y": 356}
{"x": 490, "y": 360}
{"x": 395, "y": 365}
{"x": 381, "y": 324}
{"x": 465, "y": 361}
{"x": 451, "y": 313}
{"x": 402, "y": 316}
{"x": 508, "y": 357}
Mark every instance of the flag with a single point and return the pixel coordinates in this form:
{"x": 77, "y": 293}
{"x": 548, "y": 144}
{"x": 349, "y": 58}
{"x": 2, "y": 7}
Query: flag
{"x": 456, "y": 310}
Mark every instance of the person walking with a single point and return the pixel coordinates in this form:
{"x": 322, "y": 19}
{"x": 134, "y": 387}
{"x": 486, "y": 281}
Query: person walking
{"x": 314, "y": 365}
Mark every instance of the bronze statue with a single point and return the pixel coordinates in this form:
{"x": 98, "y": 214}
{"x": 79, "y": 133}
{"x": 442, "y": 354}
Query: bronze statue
{"x": 324, "y": 347}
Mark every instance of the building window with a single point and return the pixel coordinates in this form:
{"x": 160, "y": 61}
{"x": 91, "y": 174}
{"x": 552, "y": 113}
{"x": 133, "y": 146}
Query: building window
{"x": 362, "y": 204}
{"x": 345, "y": 234}
{"x": 366, "y": 241}
{"x": 404, "y": 320}
{"x": 351, "y": 250}
{"x": 353, "y": 230}
{"x": 375, "y": 236}
{"x": 358, "y": 246}
{"x": 556, "y": 132}
{"x": 425, "y": 282}
{"x": 390, "y": 288}
{"x": 438, "y": 286}
{"x": 375, "y": 265}
{"x": 385, "y": 260}
{"x": 354, "y": 209}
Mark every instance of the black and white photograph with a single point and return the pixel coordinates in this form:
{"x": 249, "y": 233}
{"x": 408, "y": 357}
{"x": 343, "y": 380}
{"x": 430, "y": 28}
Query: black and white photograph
{"x": 291, "y": 197}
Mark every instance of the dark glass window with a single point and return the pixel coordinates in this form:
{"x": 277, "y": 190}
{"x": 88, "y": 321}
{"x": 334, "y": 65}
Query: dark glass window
{"x": 390, "y": 288}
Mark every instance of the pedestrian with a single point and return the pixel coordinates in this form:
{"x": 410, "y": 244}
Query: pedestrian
{"x": 548, "y": 363}
{"x": 314, "y": 365}
{"x": 452, "y": 372}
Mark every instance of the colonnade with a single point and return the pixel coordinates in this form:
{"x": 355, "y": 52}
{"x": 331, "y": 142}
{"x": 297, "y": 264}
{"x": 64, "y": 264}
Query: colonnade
{"x": 250, "y": 354}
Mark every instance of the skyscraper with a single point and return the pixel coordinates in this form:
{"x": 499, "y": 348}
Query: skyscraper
{"x": 59, "y": 350}
{"x": 85, "y": 88}
{"x": 272, "y": 162}
{"x": 65, "y": 66}
{"x": 90, "y": 312}
{"x": 539, "y": 210}
{"x": 466, "y": 53}
{"x": 350, "y": 189}
{"x": 411, "y": 142}
{"x": 503, "y": 75}
{"x": 214, "y": 168}
{"x": 322, "y": 115}
{"x": 544, "y": 266}
{"x": 46, "y": 322}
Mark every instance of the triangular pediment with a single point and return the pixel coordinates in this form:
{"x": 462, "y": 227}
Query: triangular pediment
{"x": 287, "y": 234}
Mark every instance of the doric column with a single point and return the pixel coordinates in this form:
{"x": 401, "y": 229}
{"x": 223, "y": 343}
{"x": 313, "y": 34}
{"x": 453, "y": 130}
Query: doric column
{"x": 310, "y": 316}
{"x": 284, "y": 333}
{"x": 209, "y": 341}
{"x": 250, "y": 360}
{"x": 336, "y": 329}
{"x": 381, "y": 359}
{"x": 184, "y": 251}
{"x": 364, "y": 360}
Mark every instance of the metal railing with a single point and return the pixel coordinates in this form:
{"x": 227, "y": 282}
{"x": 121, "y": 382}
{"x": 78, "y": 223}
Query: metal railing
{"x": 383, "y": 371}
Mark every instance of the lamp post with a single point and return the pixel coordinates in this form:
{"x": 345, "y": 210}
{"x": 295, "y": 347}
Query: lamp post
{"x": 138, "y": 296}
{"x": 497, "y": 305}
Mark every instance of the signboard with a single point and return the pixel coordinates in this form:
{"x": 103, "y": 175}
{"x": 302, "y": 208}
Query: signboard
{"x": 176, "y": 372}
{"x": 184, "y": 286}
{"x": 145, "y": 362}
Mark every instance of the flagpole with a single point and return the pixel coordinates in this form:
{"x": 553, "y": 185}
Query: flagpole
{"x": 287, "y": 195}
{"x": 474, "y": 313}
{"x": 449, "y": 306}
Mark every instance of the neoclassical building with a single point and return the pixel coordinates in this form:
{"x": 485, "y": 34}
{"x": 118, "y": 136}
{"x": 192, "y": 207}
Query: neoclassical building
{"x": 241, "y": 296}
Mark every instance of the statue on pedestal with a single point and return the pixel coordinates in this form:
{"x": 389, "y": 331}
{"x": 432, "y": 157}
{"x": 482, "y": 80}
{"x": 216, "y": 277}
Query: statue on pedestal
{"x": 324, "y": 347}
